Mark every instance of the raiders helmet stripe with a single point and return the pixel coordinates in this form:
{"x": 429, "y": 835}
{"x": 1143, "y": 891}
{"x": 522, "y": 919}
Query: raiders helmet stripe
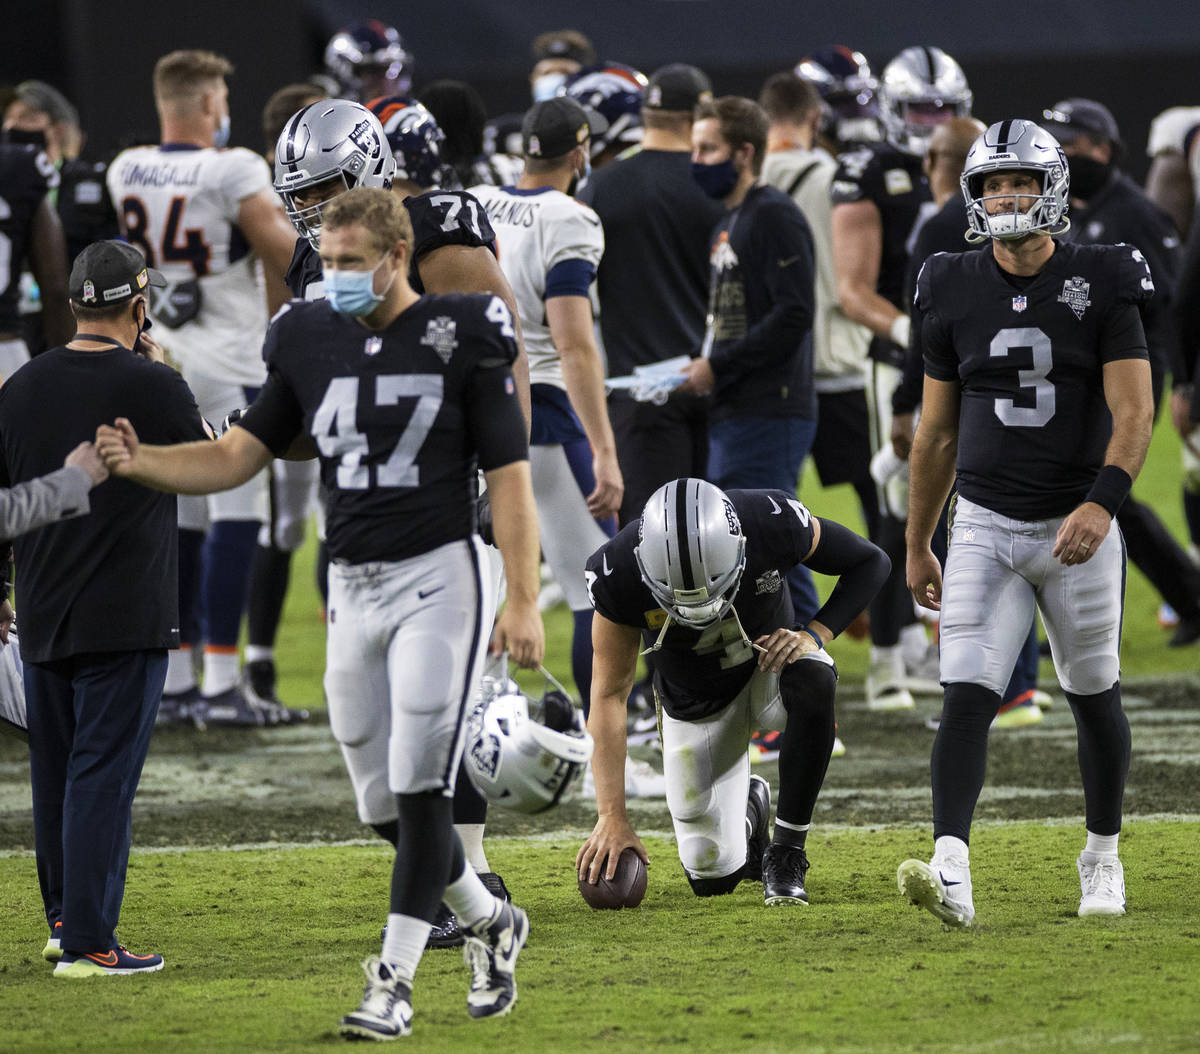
{"x": 929, "y": 58}
{"x": 1002, "y": 138}
{"x": 687, "y": 559}
{"x": 289, "y": 150}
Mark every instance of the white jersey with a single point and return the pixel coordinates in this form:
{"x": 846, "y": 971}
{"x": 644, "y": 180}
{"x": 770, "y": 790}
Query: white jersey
{"x": 179, "y": 205}
{"x": 839, "y": 344}
{"x": 535, "y": 231}
{"x": 1177, "y": 131}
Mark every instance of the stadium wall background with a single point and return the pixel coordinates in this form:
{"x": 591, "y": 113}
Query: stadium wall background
{"x": 1136, "y": 58}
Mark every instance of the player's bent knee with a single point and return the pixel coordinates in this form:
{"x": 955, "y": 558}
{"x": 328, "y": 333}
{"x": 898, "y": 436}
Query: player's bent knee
{"x": 714, "y": 887}
{"x": 808, "y": 685}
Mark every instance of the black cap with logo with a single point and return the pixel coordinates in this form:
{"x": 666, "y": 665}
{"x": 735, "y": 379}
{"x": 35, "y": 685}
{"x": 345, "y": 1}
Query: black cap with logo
{"x": 1071, "y": 117}
{"x": 110, "y": 272}
{"x": 677, "y": 87}
{"x": 556, "y": 126}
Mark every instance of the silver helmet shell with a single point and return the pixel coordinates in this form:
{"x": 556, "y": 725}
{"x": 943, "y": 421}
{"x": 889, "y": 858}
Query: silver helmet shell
{"x": 919, "y": 89}
{"x": 523, "y": 754}
{"x": 691, "y": 551}
{"x": 1010, "y": 146}
{"x": 330, "y": 140}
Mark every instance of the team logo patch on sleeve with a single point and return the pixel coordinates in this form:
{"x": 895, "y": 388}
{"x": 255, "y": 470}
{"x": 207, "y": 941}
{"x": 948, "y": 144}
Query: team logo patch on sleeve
{"x": 440, "y": 335}
{"x": 768, "y": 582}
{"x": 1075, "y": 295}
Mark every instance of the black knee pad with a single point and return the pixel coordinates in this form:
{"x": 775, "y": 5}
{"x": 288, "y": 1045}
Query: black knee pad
{"x": 808, "y": 684}
{"x": 715, "y": 887}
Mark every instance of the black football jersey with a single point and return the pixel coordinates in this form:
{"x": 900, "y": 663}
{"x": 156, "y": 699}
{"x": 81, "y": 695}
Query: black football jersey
{"x": 401, "y": 417}
{"x": 439, "y": 217}
{"x": 700, "y": 671}
{"x": 26, "y": 175}
{"x": 84, "y": 207}
{"x": 1029, "y": 355}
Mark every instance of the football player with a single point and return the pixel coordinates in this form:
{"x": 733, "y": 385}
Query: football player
{"x": 700, "y": 581}
{"x": 402, "y": 396}
{"x": 368, "y": 59}
{"x": 1038, "y": 397}
{"x": 202, "y": 213}
{"x": 614, "y": 91}
{"x": 878, "y": 192}
{"x": 849, "y": 92}
{"x": 1173, "y": 145}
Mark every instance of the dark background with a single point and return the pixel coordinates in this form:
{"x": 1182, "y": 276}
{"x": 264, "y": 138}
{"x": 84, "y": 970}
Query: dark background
{"x": 1138, "y": 58}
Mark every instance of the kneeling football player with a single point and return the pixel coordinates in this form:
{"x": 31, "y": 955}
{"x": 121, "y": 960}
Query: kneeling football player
{"x": 702, "y": 579}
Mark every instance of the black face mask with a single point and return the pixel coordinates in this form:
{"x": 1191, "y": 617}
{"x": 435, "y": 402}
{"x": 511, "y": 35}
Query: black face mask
{"x": 23, "y": 137}
{"x": 1088, "y": 176}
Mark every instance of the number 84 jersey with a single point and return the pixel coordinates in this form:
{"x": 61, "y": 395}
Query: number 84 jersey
{"x": 400, "y": 416}
{"x": 1029, "y": 355}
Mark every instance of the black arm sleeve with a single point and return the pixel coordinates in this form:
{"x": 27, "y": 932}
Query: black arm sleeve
{"x": 861, "y": 568}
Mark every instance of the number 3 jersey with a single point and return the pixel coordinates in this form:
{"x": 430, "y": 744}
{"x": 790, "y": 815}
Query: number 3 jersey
{"x": 179, "y": 204}
{"x": 400, "y": 416}
{"x": 1029, "y": 354}
{"x": 702, "y": 670}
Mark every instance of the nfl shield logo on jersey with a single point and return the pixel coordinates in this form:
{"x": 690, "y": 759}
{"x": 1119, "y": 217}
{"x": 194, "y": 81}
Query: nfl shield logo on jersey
{"x": 373, "y": 346}
{"x": 1075, "y": 295}
{"x": 440, "y": 335}
{"x": 1019, "y": 304}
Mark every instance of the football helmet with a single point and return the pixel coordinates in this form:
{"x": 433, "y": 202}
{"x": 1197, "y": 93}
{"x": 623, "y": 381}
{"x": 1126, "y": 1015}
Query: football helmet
{"x": 691, "y": 551}
{"x": 334, "y": 142}
{"x": 368, "y": 59}
{"x": 1008, "y": 146}
{"x": 521, "y": 753}
{"x": 615, "y": 92}
{"x": 844, "y": 81}
{"x": 415, "y": 139}
{"x": 920, "y": 88}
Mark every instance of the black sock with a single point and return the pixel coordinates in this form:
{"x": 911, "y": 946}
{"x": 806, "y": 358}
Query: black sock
{"x": 807, "y": 688}
{"x": 389, "y": 830}
{"x": 1102, "y": 732}
{"x": 959, "y": 761}
{"x": 270, "y": 571}
{"x": 469, "y": 805}
{"x": 424, "y": 854}
{"x": 786, "y": 836}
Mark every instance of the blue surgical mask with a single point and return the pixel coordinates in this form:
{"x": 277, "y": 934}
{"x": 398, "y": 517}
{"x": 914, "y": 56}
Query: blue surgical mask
{"x": 353, "y": 292}
{"x": 717, "y": 181}
{"x": 221, "y": 135}
{"x": 547, "y": 85}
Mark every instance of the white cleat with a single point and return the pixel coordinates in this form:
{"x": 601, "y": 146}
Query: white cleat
{"x": 941, "y": 887}
{"x": 1102, "y": 886}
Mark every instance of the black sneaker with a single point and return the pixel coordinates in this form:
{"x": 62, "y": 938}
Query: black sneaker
{"x": 446, "y": 932}
{"x": 783, "y": 869}
{"x": 492, "y": 957}
{"x": 758, "y": 819}
{"x": 258, "y": 682}
{"x": 232, "y": 708}
{"x": 386, "y": 1010}
{"x": 1187, "y": 632}
{"x": 175, "y": 708}
{"x": 495, "y": 885}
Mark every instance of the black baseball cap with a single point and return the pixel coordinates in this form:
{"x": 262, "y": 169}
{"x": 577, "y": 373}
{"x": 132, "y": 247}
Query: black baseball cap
{"x": 677, "y": 87}
{"x": 110, "y": 272}
{"x": 556, "y": 126}
{"x": 1071, "y": 117}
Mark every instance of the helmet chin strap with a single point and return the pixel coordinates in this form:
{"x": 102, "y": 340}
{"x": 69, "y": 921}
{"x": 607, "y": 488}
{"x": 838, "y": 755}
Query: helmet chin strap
{"x": 657, "y": 645}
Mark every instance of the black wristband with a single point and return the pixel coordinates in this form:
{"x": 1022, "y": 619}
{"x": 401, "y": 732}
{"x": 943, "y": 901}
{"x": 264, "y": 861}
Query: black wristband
{"x": 1110, "y": 489}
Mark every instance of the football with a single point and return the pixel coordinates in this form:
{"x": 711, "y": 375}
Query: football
{"x": 624, "y": 890}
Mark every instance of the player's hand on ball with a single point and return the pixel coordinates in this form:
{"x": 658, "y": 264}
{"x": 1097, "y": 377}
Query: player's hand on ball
{"x": 626, "y": 887}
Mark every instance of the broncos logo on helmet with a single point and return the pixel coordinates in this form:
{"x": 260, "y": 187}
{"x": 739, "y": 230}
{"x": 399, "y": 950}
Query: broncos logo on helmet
{"x": 415, "y": 138}
{"x": 615, "y": 92}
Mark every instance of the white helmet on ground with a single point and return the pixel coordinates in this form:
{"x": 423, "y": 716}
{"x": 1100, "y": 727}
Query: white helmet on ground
{"x": 524, "y": 754}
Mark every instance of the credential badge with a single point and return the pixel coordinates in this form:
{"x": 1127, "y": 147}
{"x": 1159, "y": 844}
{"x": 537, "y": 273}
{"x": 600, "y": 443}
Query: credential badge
{"x": 1075, "y": 295}
{"x": 440, "y": 335}
{"x": 1019, "y": 304}
{"x": 373, "y": 346}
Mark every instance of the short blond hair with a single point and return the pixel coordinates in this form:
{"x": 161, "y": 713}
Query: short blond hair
{"x": 183, "y": 75}
{"x": 380, "y": 212}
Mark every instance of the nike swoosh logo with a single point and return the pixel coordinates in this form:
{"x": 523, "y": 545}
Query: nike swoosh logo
{"x": 789, "y": 261}
{"x": 946, "y": 881}
{"x": 423, "y": 594}
{"x": 607, "y": 570}
{"x": 775, "y": 509}
{"x": 109, "y": 958}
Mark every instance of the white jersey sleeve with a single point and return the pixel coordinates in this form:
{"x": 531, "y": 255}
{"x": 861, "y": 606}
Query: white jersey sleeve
{"x": 1171, "y": 129}
{"x": 180, "y": 206}
{"x": 537, "y": 230}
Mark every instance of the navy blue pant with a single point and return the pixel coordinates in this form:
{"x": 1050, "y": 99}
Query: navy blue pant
{"x": 90, "y": 721}
{"x": 766, "y": 452}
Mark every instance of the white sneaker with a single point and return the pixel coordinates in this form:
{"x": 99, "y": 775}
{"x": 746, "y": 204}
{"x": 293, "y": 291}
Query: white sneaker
{"x": 1102, "y": 886}
{"x": 642, "y": 780}
{"x": 922, "y": 674}
{"x": 943, "y": 887}
{"x": 885, "y": 681}
{"x": 386, "y": 1011}
{"x": 1042, "y": 700}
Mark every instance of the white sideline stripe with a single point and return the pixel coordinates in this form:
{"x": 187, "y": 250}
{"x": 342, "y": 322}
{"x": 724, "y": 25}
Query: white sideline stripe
{"x": 580, "y": 834}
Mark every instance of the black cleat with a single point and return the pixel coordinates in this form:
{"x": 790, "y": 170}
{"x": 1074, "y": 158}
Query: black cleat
{"x": 758, "y": 818}
{"x": 495, "y": 885}
{"x": 784, "y": 868}
{"x": 1187, "y": 632}
{"x": 446, "y": 932}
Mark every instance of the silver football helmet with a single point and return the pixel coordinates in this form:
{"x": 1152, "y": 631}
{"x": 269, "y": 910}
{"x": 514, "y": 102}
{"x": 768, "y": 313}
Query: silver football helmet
{"x": 1009, "y": 146}
{"x": 328, "y": 147}
{"x": 521, "y": 753}
{"x": 691, "y": 551}
{"x": 920, "y": 88}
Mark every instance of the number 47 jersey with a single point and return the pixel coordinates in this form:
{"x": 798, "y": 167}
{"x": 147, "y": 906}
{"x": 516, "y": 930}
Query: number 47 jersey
{"x": 1029, "y": 354}
{"x": 401, "y": 417}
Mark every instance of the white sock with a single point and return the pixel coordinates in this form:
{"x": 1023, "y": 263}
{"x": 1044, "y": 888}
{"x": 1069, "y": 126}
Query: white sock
{"x": 181, "y": 676}
{"x": 403, "y": 944}
{"x": 470, "y": 900}
{"x": 471, "y": 835}
{"x": 913, "y": 642}
{"x": 949, "y": 846}
{"x": 1100, "y": 845}
{"x": 259, "y": 653}
{"x": 220, "y": 671}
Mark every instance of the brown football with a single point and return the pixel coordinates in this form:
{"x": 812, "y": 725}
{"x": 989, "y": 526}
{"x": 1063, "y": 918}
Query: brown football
{"x": 624, "y": 890}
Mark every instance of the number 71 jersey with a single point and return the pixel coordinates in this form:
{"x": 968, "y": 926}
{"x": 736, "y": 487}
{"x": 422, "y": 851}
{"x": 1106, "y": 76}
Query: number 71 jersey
{"x": 1029, "y": 355}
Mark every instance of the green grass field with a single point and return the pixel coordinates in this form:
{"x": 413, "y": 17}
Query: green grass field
{"x": 255, "y": 881}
